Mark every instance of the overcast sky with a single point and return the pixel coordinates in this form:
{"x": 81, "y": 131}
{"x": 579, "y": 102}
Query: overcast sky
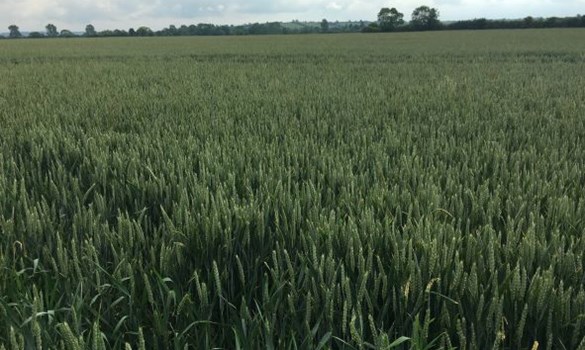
{"x": 32, "y": 15}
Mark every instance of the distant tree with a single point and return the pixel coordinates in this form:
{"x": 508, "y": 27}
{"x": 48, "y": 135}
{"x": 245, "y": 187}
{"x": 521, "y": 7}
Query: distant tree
{"x": 226, "y": 30}
{"x": 261, "y": 28}
{"x": 14, "y": 32}
{"x": 90, "y": 30}
{"x": 170, "y": 31}
{"x": 65, "y": 33}
{"x": 324, "y": 26}
{"x": 144, "y": 31}
{"x": 106, "y": 33}
{"x": 192, "y": 30}
{"x": 478, "y": 23}
{"x": 36, "y": 35}
{"x": 425, "y": 18}
{"x": 131, "y": 32}
{"x": 390, "y": 19}
{"x": 371, "y": 28}
{"x": 183, "y": 30}
{"x": 119, "y": 32}
{"x": 240, "y": 30}
{"x": 51, "y": 30}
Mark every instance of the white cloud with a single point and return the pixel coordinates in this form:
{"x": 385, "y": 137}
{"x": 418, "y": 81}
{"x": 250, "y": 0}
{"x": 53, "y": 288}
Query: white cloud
{"x": 75, "y": 14}
{"x": 334, "y": 6}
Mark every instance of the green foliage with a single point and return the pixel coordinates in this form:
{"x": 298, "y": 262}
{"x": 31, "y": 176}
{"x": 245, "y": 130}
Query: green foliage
{"x": 14, "y": 32}
{"x": 36, "y": 35}
{"x": 318, "y": 192}
{"x": 90, "y": 30}
{"x": 425, "y": 18}
{"x": 390, "y": 19}
{"x": 144, "y": 31}
{"x": 65, "y": 33}
{"x": 324, "y": 26}
{"x": 52, "y": 31}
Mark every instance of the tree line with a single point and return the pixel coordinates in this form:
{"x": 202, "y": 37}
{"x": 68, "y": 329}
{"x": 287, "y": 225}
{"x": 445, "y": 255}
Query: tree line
{"x": 426, "y": 18}
{"x": 294, "y": 27}
{"x": 527, "y": 22}
{"x": 388, "y": 20}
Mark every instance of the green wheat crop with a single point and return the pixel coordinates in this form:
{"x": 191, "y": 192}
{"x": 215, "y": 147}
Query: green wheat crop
{"x": 409, "y": 191}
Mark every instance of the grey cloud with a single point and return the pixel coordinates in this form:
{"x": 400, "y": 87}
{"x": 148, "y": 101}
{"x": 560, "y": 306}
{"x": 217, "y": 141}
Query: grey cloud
{"x": 74, "y": 14}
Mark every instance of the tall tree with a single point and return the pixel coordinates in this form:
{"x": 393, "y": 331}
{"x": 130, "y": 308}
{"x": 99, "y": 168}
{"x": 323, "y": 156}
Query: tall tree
{"x": 66, "y": 33}
{"x": 144, "y": 31}
{"x": 324, "y": 26}
{"x": 14, "y": 32}
{"x": 173, "y": 30}
{"x": 52, "y": 30}
{"x": 425, "y": 18}
{"x": 390, "y": 19}
{"x": 90, "y": 30}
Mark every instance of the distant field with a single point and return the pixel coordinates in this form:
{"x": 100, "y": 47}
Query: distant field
{"x": 294, "y": 192}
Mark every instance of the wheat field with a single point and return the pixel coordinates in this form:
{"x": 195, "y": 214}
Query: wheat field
{"x": 392, "y": 191}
